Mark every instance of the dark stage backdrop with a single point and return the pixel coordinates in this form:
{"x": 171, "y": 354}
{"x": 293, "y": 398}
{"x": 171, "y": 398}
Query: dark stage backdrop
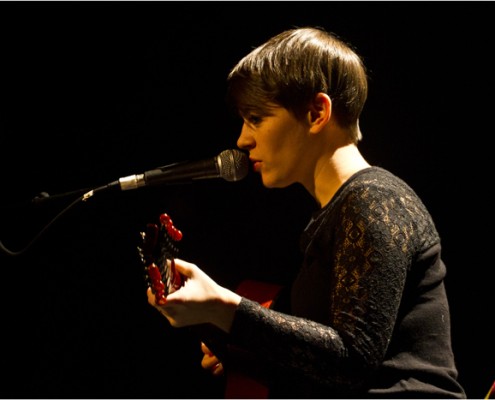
{"x": 94, "y": 91}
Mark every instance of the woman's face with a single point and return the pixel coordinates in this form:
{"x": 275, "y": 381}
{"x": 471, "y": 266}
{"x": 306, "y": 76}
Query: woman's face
{"x": 276, "y": 143}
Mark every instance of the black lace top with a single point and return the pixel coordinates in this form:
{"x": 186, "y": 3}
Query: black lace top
{"x": 369, "y": 315}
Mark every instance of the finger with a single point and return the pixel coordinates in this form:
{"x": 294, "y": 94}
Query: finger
{"x": 217, "y": 369}
{"x": 151, "y": 297}
{"x": 208, "y": 362}
{"x": 213, "y": 365}
{"x": 183, "y": 267}
{"x": 205, "y": 349}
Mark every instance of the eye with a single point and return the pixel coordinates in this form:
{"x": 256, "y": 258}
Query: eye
{"x": 254, "y": 119}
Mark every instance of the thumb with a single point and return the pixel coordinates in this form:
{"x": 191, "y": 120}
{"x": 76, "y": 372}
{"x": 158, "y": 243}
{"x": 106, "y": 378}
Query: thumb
{"x": 184, "y": 268}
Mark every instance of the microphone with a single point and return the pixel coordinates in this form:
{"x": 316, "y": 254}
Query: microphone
{"x": 231, "y": 165}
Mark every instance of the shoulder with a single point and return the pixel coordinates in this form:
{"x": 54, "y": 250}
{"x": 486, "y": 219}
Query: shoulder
{"x": 376, "y": 186}
{"x": 374, "y": 178}
{"x": 380, "y": 199}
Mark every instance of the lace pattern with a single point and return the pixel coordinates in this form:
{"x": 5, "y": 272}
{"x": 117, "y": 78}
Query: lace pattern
{"x": 359, "y": 251}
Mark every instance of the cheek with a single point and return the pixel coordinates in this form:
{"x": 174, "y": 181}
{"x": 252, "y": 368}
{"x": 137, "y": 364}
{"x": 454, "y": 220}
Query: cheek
{"x": 278, "y": 138}
{"x": 278, "y": 170}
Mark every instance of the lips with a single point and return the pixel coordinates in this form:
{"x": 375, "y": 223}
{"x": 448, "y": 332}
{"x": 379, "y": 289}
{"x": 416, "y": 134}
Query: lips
{"x": 256, "y": 164}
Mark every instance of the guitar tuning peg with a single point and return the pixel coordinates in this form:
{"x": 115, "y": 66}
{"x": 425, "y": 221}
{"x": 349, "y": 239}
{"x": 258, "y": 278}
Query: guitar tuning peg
{"x": 165, "y": 219}
{"x": 176, "y": 234}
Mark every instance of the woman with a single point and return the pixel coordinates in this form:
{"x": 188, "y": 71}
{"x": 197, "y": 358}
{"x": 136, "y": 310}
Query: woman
{"x": 369, "y": 315}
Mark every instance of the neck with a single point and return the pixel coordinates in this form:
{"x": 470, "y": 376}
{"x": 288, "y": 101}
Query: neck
{"x": 333, "y": 170}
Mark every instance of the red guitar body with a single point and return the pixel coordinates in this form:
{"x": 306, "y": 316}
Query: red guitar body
{"x": 158, "y": 251}
{"x": 240, "y": 386}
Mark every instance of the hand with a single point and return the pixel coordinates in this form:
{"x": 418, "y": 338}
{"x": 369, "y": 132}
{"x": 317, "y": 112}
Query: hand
{"x": 199, "y": 300}
{"x": 211, "y": 362}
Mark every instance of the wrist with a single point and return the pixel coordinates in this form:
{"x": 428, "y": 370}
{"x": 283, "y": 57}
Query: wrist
{"x": 226, "y": 307}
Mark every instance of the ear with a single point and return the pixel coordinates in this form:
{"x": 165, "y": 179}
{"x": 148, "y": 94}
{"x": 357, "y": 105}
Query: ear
{"x": 319, "y": 112}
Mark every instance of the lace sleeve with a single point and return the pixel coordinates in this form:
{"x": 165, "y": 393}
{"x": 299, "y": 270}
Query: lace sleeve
{"x": 290, "y": 342}
{"x": 369, "y": 245}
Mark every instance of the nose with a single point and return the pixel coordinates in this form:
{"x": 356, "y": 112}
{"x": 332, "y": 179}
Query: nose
{"x": 246, "y": 140}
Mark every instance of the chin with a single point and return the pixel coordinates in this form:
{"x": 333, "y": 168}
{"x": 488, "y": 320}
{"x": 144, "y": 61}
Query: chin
{"x": 273, "y": 184}
{"x": 266, "y": 182}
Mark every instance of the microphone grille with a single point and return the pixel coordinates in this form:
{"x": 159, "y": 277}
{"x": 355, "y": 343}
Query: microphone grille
{"x": 233, "y": 165}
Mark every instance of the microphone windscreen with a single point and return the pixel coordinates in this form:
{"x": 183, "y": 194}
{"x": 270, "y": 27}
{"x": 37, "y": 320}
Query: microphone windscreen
{"x": 233, "y": 165}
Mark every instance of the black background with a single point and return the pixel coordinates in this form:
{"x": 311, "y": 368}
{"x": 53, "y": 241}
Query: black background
{"x": 93, "y": 91}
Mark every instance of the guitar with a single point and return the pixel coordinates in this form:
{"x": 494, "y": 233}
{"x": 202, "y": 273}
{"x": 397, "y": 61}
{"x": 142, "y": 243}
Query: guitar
{"x": 158, "y": 249}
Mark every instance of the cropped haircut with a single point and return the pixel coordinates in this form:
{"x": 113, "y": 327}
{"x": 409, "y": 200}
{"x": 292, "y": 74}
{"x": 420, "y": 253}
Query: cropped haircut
{"x": 292, "y": 67}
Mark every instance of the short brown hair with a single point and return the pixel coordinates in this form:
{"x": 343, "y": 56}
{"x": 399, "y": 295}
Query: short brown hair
{"x": 292, "y": 67}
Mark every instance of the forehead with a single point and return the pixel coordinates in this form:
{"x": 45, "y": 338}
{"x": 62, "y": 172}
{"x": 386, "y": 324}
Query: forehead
{"x": 260, "y": 109}
{"x": 273, "y": 116}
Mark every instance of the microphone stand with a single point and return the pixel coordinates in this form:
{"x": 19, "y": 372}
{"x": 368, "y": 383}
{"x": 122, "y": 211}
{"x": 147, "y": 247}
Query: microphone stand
{"x": 44, "y": 197}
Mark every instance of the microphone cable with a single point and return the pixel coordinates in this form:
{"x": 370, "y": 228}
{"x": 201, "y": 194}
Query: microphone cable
{"x": 44, "y": 196}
